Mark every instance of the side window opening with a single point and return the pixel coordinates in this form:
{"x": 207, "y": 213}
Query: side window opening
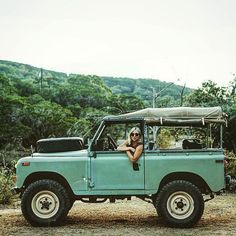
{"x": 180, "y": 138}
{"x": 116, "y": 133}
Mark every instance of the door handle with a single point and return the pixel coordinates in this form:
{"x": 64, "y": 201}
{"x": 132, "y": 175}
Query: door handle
{"x": 135, "y": 166}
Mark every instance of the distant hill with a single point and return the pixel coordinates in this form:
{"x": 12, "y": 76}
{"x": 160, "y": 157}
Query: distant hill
{"x": 144, "y": 88}
{"x": 15, "y": 70}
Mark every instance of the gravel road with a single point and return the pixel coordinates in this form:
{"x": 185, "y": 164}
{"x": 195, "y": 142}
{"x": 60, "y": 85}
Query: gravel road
{"x": 134, "y": 217}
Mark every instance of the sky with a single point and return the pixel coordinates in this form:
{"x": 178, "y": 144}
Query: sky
{"x": 182, "y": 41}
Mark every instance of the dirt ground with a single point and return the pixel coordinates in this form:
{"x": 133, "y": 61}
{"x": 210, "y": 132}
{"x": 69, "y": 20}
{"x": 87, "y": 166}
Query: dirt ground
{"x": 134, "y": 217}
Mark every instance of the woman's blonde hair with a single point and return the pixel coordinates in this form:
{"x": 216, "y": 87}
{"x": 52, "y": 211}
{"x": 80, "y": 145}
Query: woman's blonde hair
{"x": 131, "y": 131}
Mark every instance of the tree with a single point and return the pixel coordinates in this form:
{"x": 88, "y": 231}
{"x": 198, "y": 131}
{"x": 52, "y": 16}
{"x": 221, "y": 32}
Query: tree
{"x": 11, "y": 128}
{"x": 212, "y": 95}
{"x": 6, "y": 88}
{"x": 10, "y": 106}
{"x": 24, "y": 88}
{"x": 87, "y": 91}
{"x": 46, "y": 119}
{"x": 208, "y": 95}
{"x": 124, "y": 103}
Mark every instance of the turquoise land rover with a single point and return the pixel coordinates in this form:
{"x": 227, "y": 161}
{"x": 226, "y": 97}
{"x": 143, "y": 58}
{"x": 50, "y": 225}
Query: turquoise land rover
{"x": 181, "y": 166}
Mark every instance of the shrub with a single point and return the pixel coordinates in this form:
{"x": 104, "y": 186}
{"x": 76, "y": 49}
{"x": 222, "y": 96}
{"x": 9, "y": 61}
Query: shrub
{"x": 6, "y": 183}
{"x": 165, "y": 138}
{"x": 231, "y": 166}
{"x": 8, "y": 158}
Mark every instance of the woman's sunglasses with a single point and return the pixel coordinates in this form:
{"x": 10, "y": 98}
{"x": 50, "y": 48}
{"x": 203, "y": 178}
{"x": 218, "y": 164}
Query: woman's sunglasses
{"x": 134, "y": 134}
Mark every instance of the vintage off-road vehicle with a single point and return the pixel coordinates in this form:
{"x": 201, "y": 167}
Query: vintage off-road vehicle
{"x": 181, "y": 167}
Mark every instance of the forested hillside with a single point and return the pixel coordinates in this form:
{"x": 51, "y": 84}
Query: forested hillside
{"x": 16, "y": 70}
{"x": 167, "y": 93}
{"x": 37, "y": 103}
{"x": 144, "y": 88}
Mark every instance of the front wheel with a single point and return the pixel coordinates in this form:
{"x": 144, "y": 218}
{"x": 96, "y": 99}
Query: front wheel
{"x": 45, "y": 202}
{"x": 180, "y": 204}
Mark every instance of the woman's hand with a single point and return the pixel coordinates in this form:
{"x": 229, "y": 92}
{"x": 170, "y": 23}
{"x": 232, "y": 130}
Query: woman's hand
{"x": 132, "y": 149}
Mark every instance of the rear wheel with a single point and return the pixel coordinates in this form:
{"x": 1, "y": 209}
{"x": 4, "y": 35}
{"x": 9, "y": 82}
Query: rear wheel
{"x": 180, "y": 204}
{"x": 45, "y": 202}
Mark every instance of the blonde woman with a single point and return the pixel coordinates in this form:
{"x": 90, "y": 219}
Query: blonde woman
{"x": 133, "y": 146}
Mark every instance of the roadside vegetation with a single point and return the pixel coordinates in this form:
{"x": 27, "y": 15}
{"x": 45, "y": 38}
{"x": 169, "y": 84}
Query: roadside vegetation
{"x": 6, "y": 182}
{"x": 9, "y": 157}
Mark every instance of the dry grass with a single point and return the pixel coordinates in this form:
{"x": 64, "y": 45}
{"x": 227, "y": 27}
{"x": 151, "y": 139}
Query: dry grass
{"x": 126, "y": 218}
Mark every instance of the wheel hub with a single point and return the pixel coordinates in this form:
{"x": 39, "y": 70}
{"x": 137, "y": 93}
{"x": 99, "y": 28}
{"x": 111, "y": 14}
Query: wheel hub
{"x": 180, "y": 205}
{"x": 45, "y": 204}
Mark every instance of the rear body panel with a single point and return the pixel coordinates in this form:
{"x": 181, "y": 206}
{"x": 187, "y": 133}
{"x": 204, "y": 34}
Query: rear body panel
{"x": 206, "y": 164}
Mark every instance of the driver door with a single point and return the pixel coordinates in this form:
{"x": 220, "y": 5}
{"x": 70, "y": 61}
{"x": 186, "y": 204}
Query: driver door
{"x": 112, "y": 169}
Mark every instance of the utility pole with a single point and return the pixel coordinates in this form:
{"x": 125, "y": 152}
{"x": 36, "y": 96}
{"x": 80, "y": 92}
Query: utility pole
{"x": 153, "y": 97}
{"x": 41, "y": 79}
{"x": 182, "y": 95}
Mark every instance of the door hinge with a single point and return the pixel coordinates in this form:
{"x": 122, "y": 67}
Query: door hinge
{"x": 91, "y": 183}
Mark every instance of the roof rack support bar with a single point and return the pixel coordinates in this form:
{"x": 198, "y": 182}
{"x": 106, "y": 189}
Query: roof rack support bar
{"x": 203, "y": 121}
{"x": 221, "y": 136}
{"x": 161, "y": 120}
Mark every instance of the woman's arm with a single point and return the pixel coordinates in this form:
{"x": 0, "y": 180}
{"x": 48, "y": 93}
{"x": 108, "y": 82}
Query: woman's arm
{"x": 123, "y": 147}
{"x": 137, "y": 154}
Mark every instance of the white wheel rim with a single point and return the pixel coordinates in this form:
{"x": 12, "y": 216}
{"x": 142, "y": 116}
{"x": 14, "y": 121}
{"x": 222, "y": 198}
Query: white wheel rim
{"x": 180, "y": 205}
{"x": 45, "y": 204}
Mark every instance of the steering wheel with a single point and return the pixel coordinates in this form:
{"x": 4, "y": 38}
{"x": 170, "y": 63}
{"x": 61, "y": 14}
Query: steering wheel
{"x": 111, "y": 142}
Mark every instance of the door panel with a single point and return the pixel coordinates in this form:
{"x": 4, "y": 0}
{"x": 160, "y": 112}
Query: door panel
{"x": 114, "y": 171}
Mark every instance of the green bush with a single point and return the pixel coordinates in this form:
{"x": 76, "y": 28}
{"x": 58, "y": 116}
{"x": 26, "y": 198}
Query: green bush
{"x": 231, "y": 164}
{"x": 6, "y": 183}
{"x": 164, "y": 138}
{"x": 8, "y": 158}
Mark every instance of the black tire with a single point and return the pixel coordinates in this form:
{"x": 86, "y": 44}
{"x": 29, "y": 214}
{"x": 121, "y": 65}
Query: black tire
{"x": 180, "y": 204}
{"x": 44, "y": 203}
{"x": 71, "y": 204}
